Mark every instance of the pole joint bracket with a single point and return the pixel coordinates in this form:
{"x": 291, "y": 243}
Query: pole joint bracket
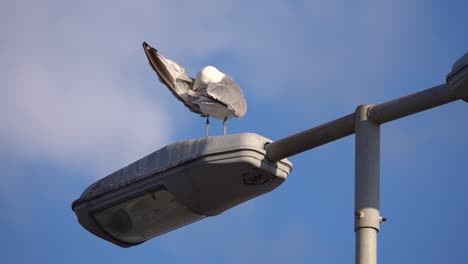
{"x": 368, "y": 218}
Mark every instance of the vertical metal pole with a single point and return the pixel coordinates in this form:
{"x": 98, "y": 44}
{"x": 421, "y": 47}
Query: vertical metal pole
{"x": 367, "y": 186}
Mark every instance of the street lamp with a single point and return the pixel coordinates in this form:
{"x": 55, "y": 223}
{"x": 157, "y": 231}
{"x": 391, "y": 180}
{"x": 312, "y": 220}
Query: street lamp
{"x": 458, "y": 78}
{"x": 187, "y": 181}
{"x": 178, "y": 185}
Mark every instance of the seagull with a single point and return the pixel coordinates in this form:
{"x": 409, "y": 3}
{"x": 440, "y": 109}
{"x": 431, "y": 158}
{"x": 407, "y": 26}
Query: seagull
{"x": 211, "y": 93}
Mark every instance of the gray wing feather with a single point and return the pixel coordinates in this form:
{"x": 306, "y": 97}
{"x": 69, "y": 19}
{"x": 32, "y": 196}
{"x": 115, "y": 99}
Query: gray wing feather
{"x": 230, "y": 94}
{"x": 172, "y": 75}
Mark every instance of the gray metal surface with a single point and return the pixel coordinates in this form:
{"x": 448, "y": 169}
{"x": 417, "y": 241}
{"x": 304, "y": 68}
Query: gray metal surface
{"x": 367, "y": 186}
{"x": 365, "y": 122}
{"x": 456, "y": 88}
{"x": 206, "y": 176}
{"x": 344, "y": 126}
{"x": 311, "y": 138}
{"x": 411, "y": 104}
{"x": 176, "y": 154}
{"x": 457, "y": 79}
{"x": 366, "y": 246}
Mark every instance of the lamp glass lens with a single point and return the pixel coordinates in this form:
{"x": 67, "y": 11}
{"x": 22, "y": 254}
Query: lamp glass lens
{"x": 146, "y": 216}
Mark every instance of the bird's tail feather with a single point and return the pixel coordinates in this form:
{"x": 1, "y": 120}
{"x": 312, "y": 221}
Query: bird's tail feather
{"x": 172, "y": 75}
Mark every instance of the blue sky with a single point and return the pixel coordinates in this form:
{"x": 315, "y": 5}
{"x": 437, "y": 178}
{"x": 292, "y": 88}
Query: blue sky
{"x": 78, "y": 101}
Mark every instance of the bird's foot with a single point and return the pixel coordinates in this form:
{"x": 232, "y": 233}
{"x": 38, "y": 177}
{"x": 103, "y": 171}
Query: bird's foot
{"x": 225, "y": 125}
{"x": 207, "y": 125}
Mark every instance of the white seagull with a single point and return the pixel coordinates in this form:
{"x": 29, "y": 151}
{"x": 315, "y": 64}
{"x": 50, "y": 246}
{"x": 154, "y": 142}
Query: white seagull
{"x": 211, "y": 93}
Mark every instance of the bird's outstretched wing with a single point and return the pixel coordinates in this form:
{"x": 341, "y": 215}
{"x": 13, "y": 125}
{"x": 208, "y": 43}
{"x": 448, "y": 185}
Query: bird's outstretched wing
{"x": 228, "y": 93}
{"x": 173, "y": 76}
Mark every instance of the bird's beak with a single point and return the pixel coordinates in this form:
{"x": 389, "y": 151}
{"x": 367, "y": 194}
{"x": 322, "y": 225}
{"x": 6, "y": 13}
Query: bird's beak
{"x": 146, "y": 46}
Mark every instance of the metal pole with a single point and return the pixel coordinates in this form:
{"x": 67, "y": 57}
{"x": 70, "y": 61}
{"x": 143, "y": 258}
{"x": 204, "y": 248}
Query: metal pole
{"x": 365, "y": 123}
{"x": 367, "y": 186}
{"x": 344, "y": 126}
{"x": 310, "y": 138}
{"x": 412, "y": 104}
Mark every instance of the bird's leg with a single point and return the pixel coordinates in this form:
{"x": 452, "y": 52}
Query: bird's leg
{"x": 207, "y": 125}
{"x": 224, "y": 124}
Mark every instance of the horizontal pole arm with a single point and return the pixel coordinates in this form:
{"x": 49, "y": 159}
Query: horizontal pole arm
{"x": 411, "y": 104}
{"x": 311, "y": 138}
{"x": 344, "y": 126}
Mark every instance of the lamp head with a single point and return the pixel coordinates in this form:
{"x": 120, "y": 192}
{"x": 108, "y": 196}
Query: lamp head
{"x": 178, "y": 185}
{"x": 457, "y": 79}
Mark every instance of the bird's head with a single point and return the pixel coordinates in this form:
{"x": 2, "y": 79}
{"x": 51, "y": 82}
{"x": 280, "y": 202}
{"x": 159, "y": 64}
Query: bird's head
{"x": 210, "y": 74}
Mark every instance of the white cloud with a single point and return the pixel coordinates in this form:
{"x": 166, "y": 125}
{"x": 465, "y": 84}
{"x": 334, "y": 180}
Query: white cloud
{"x": 74, "y": 80}
{"x": 68, "y": 118}
{"x": 69, "y": 92}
